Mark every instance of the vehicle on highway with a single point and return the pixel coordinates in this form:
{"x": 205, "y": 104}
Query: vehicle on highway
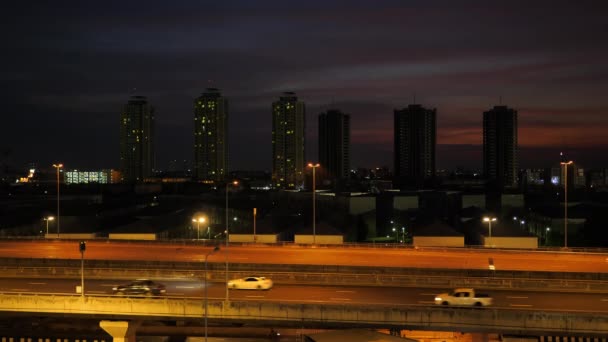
{"x": 141, "y": 287}
{"x": 463, "y": 297}
{"x": 250, "y": 283}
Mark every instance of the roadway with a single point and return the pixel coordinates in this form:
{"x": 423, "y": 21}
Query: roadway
{"x": 448, "y": 258}
{"x": 353, "y": 295}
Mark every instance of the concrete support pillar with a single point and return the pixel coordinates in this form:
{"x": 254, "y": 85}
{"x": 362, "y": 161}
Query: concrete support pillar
{"x": 121, "y": 331}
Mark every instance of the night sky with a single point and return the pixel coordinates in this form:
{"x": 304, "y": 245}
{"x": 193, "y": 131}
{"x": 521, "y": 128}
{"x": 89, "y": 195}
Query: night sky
{"x": 68, "y": 67}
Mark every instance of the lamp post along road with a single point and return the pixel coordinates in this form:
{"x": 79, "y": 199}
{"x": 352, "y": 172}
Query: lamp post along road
{"x": 566, "y": 201}
{"x": 198, "y": 221}
{"x": 82, "y": 247}
{"x": 255, "y": 239}
{"x": 58, "y": 167}
{"x": 489, "y": 220}
{"x": 314, "y": 203}
{"x": 47, "y": 219}
{"x": 205, "y": 284}
{"x": 227, "y": 238}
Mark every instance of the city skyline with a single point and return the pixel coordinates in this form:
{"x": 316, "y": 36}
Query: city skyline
{"x": 68, "y": 75}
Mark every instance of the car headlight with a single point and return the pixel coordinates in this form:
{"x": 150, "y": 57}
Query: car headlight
{"x": 438, "y": 299}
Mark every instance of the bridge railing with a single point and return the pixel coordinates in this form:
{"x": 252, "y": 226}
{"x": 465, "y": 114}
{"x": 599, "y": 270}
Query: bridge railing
{"x": 363, "y": 245}
{"x": 315, "y": 278}
{"x": 257, "y": 312}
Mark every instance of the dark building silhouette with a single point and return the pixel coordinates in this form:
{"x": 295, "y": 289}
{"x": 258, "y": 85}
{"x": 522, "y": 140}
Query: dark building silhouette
{"x": 210, "y": 136}
{"x": 334, "y": 145}
{"x": 136, "y": 140}
{"x": 415, "y": 141}
{"x": 500, "y": 151}
{"x": 288, "y": 132}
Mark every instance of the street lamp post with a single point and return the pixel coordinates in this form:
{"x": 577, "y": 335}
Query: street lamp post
{"x": 58, "y": 167}
{"x": 314, "y": 204}
{"x": 403, "y": 234}
{"x": 226, "y": 254}
{"x": 47, "y": 219}
{"x": 489, "y": 220}
{"x": 255, "y": 212}
{"x": 198, "y": 221}
{"x": 566, "y": 201}
{"x": 215, "y": 249}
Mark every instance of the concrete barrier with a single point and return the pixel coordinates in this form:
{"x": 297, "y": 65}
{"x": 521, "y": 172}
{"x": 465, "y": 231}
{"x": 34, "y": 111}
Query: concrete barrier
{"x": 310, "y": 278}
{"x": 316, "y": 315}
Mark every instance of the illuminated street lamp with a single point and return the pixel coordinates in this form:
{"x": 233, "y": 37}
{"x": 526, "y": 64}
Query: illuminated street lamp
{"x": 226, "y": 232}
{"x": 314, "y": 204}
{"x": 566, "y": 201}
{"x": 198, "y": 221}
{"x": 58, "y": 166}
{"x": 215, "y": 249}
{"x": 403, "y": 233}
{"x": 489, "y": 220}
{"x": 47, "y": 219}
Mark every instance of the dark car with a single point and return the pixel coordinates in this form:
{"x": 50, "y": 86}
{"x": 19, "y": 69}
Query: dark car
{"x": 142, "y": 287}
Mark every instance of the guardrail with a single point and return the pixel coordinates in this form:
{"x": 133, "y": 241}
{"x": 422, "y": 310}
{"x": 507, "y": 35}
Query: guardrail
{"x": 270, "y": 268}
{"x": 367, "y": 245}
{"x": 308, "y": 278}
{"x": 316, "y": 315}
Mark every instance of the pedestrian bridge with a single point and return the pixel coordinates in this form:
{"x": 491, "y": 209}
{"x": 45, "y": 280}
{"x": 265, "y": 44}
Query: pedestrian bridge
{"x": 321, "y": 315}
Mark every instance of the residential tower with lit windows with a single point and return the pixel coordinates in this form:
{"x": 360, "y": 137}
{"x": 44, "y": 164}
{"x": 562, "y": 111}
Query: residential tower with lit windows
{"x": 210, "y": 137}
{"x": 288, "y": 142}
{"x": 137, "y": 140}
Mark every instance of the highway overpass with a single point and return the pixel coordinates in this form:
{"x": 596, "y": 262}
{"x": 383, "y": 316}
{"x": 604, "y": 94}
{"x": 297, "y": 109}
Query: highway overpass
{"x": 565, "y": 291}
{"x": 256, "y": 313}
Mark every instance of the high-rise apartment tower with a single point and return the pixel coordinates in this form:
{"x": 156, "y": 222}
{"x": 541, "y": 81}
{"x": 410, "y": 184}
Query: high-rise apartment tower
{"x": 500, "y": 150}
{"x": 415, "y": 141}
{"x": 136, "y": 140}
{"x": 288, "y": 142}
{"x": 210, "y": 136}
{"x": 334, "y": 144}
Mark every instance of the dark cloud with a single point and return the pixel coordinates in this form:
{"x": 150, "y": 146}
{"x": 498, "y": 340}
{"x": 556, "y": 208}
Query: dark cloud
{"x": 68, "y": 67}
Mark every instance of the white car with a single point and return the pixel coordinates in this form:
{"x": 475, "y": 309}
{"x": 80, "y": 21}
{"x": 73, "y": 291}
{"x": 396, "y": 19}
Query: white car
{"x": 251, "y": 283}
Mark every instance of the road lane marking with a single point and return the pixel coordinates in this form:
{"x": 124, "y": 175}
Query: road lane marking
{"x": 517, "y": 297}
{"x": 254, "y": 296}
{"x": 20, "y": 290}
{"x": 522, "y": 305}
{"x": 345, "y": 291}
{"x": 176, "y": 294}
{"x": 184, "y": 287}
{"x": 339, "y": 298}
{"x": 604, "y": 299}
{"x": 36, "y": 283}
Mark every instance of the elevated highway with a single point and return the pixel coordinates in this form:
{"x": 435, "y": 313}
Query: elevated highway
{"x": 252, "y": 313}
{"x": 361, "y": 256}
{"x": 303, "y": 271}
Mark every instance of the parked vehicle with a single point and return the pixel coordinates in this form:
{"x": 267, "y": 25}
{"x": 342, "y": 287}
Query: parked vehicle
{"x": 143, "y": 287}
{"x": 250, "y": 283}
{"x": 463, "y": 297}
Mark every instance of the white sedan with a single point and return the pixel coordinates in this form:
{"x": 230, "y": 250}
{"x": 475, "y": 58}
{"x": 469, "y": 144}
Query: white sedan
{"x": 251, "y": 283}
